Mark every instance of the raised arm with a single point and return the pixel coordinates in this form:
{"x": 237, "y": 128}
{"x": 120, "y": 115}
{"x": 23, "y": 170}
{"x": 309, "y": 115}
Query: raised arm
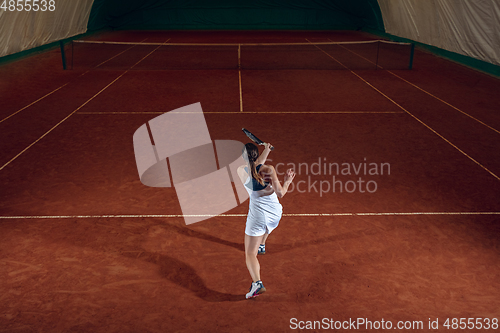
{"x": 270, "y": 172}
{"x": 263, "y": 157}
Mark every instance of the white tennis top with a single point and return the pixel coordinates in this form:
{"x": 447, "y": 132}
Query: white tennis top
{"x": 264, "y": 211}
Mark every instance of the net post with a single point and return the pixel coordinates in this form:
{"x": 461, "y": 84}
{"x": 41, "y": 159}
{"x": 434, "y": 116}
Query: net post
{"x": 63, "y": 54}
{"x": 239, "y": 56}
{"x": 410, "y": 65}
{"x": 378, "y": 48}
{"x": 72, "y": 52}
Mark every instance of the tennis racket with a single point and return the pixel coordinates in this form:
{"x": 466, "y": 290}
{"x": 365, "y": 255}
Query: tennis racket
{"x": 253, "y": 137}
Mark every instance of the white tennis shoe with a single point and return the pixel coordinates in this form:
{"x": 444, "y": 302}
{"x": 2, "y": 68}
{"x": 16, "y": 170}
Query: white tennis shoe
{"x": 256, "y": 289}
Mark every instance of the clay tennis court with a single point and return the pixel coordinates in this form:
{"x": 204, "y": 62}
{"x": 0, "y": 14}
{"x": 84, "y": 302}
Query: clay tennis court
{"x": 86, "y": 247}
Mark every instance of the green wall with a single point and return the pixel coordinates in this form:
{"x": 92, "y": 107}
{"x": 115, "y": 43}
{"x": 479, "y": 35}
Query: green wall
{"x": 236, "y": 14}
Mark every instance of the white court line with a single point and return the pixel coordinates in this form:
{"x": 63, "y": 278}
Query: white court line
{"x": 105, "y": 61}
{"x": 316, "y": 45}
{"x": 414, "y": 117}
{"x": 27, "y": 106}
{"x": 237, "y": 44}
{"x": 448, "y": 104}
{"x": 253, "y": 112}
{"x": 38, "y": 100}
{"x": 239, "y": 75}
{"x": 431, "y": 129}
{"x": 242, "y": 215}
{"x": 53, "y": 91}
{"x": 59, "y": 123}
{"x": 425, "y": 91}
{"x": 72, "y": 113}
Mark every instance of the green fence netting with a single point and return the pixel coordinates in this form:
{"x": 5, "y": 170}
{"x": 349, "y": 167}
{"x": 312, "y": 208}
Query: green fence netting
{"x": 236, "y": 14}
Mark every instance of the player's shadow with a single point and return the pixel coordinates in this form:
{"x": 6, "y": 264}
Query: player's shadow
{"x": 277, "y": 247}
{"x": 169, "y": 268}
{"x": 184, "y": 276}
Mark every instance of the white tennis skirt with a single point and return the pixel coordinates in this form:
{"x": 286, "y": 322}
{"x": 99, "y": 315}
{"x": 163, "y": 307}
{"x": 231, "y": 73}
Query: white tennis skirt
{"x": 263, "y": 217}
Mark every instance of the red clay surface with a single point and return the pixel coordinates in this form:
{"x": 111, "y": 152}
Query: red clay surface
{"x": 69, "y": 264}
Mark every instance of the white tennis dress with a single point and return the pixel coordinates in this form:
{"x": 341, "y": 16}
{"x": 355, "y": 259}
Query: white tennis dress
{"x": 264, "y": 211}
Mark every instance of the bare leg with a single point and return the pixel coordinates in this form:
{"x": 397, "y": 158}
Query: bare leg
{"x": 264, "y": 238}
{"x": 251, "y": 248}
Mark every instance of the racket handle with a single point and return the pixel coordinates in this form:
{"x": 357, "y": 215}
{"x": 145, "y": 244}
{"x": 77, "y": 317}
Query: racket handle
{"x": 262, "y": 144}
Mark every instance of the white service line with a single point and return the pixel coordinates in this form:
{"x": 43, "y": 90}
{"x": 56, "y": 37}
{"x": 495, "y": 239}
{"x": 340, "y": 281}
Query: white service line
{"x": 431, "y": 129}
{"x": 72, "y": 113}
{"x": 253, "y": 112}
{"x": 59, "y": 123}
{"x": 446, "y": 103}
{"x": 425, "y": 91}
{"x": 32, "y": 103}
{"x": 64, "y": 85}
{"x": 21, "y": 217}
{"x": 414, "y": 117}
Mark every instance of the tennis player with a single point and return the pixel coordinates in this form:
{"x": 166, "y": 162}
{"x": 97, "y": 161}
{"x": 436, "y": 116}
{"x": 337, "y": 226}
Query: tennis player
{"x": 265, "y": 210}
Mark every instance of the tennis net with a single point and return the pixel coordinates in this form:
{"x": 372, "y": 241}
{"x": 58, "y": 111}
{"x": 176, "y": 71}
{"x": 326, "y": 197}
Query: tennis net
{"x": 373, "y": 54}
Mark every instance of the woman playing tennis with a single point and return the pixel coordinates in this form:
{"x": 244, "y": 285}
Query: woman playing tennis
{"x": 264, "y": 213}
